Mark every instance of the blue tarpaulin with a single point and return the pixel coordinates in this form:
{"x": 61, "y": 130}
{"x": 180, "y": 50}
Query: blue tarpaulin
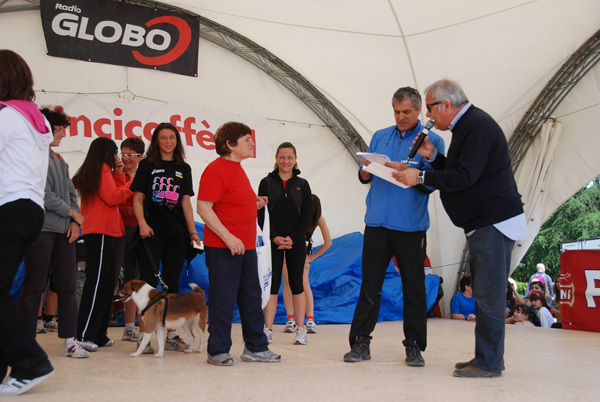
{"x": 335, "y": 279}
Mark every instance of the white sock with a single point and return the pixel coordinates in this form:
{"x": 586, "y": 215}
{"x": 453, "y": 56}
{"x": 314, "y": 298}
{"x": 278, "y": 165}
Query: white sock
{"x": 129, "y": 325}
{"x": 69, "y": 340}
{"x": 171, "y": 335}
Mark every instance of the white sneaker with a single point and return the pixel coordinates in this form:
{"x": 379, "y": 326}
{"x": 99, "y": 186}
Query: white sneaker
{"x": 131, "y": 334}
{"x": 88, "y": 345}
{"x": 74, "y": 349}
{"x": 52, "y": 325}
{"x": 41, "y": 328}
{"x": 13, "y": 386}
{"x": 269, "y": 334}
{"x": 290, "y": 326}
{"x": 311, "y": 326}
{"x": 300, "y": 337}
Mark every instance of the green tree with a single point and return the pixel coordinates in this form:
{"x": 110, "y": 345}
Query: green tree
{"x": 577, "y": 219}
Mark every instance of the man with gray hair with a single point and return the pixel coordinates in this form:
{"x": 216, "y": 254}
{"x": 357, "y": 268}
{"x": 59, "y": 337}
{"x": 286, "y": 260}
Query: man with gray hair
{"x": 479, "y": 193}
{"x": 395, "y": 225}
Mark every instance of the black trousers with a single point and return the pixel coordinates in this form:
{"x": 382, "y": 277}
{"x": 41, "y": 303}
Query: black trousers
{"x": 409, "y": 248}
{"x": 234, "y": 279}
{"x": 51, "y": 250}
{"x": 98, "y": 288}
{"x": 170, "y": 252}
{"x": 21, "y": 222}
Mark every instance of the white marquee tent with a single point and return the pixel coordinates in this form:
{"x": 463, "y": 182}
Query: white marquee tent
{"x": 357, "y": 53}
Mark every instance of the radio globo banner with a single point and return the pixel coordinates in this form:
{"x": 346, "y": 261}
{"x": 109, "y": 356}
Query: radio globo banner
{"x": 120, "y": 33}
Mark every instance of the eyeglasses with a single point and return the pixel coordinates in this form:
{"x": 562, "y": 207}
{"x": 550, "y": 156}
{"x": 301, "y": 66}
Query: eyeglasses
{"x": 430, "y": 105}
{"x": 129, "y": 155}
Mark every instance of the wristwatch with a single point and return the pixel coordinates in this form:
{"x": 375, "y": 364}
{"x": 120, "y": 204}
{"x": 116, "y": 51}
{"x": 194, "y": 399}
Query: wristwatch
{"x": 421, "y": 177}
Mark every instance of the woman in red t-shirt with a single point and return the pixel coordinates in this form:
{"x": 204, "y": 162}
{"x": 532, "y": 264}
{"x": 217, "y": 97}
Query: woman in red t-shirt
{"x": 227, "y": 204}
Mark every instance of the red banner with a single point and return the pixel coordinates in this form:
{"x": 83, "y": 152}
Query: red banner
{"x": 580, "y": 290}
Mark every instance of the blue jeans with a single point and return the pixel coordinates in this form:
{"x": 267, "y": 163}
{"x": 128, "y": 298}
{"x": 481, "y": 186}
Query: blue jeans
{"x": 233, "y": 279}
{"x": 490, "y": 267}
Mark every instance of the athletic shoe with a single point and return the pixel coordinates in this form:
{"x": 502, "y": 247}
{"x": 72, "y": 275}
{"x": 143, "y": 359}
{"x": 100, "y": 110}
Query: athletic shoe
{"x": 413, "y": 354}
{"x": 222, "y": 359}
{"x": 108, "y": 343}
{"x": 176, "y": 343}
{"x": 269, "y": 334}
{"x": 41, "y": 328}
{"x": 74, "y": 349}
{"x": 311, "y": 326}
{"x": 360, "y": 351}
{"x": 300, "y": 337}
{"x": 131, "y": 334}
{"x": 266, "y": 356}
{"x": 88, "y": 345}
{"x": 290, "y": 326}
{"x": 52, "y": 325}
{"x": 148, "y": 350}
{"x": 13, "y": 386}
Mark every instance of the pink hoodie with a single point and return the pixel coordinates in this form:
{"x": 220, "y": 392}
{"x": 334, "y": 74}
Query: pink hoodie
{"x": 30, "y": 111}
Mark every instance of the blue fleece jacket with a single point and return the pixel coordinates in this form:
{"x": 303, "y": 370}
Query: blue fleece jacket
{"x": 389, "y": 205}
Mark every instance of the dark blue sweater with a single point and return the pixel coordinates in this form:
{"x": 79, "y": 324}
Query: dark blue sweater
{"x": 475, "y": 179}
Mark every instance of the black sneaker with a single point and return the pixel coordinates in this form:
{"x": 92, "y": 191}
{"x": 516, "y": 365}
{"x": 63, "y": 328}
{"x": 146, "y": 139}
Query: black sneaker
{"x": 360, "y": 351}
{"x": 413, "y": 354}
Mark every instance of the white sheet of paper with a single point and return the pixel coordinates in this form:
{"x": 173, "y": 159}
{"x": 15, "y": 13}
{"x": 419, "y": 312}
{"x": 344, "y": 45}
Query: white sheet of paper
{"x": 374, "y": 158}
{"x": 383, "y": 172}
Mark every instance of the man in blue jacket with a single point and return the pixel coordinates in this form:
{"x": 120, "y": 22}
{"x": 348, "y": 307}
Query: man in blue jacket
{"x": 479, "y": 193}
{"x": 395, "y": 225}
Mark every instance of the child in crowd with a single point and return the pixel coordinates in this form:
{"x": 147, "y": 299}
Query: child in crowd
{"x": 540, "y": 306}
{"x": 132, "y": 151}
{"x": 522, "y": 315}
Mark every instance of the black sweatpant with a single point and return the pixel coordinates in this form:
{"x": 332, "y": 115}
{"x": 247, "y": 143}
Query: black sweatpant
{"x": 98, "y": 289}
{"x": 170, "y": 252}
{"x": 21, "y": 223}
{"x": 51, "y": 250}
{"x": 379, "y": 245}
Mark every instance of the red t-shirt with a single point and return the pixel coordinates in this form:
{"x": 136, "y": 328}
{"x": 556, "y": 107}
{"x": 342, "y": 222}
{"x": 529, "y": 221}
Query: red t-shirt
{"x": 126, "y": 209}
{"x": 225, "y": 183}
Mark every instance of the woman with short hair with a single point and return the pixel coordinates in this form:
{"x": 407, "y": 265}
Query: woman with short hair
{"x": 227, "y": 204}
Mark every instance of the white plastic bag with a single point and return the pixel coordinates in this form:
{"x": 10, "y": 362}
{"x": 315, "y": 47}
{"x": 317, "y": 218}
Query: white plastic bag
{"x": 263, "y": 255}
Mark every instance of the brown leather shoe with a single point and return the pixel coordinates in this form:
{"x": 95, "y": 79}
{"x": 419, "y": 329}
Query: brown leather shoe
{"x": 472, "y": 371}
{"x": 462, "y": 365}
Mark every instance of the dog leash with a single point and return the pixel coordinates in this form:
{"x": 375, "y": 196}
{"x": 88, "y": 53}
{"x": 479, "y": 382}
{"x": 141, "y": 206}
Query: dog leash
{"x": 165, "y": 294}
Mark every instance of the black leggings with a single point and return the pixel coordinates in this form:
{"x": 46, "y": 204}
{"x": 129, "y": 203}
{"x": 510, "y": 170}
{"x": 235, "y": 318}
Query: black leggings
{"x": 294, "y": 259}
{"x": 171, "y": 253}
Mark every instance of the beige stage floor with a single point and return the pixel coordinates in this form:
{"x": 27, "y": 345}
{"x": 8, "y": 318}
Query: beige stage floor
{"x": 541, "y": 365}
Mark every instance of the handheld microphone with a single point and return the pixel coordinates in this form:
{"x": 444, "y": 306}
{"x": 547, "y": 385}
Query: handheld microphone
{"x": 415, "y": 148}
